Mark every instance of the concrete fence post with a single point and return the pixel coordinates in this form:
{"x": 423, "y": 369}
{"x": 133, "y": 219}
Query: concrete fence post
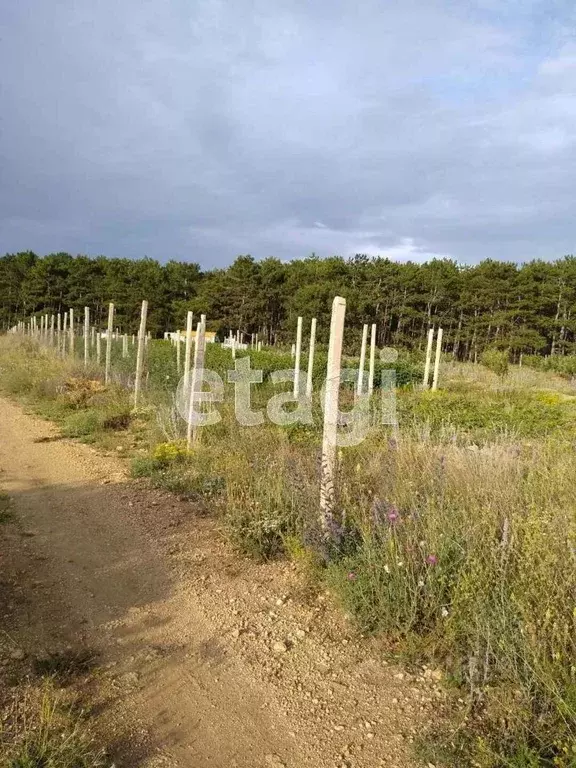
{"x": 329, "y": 437}
{"x": 109, "y": 342}
{"x": 428, "y": 358}
{"x": 310, "y": 371}
{"x": 140, "y": 353}
{"x": 437, "y": 360}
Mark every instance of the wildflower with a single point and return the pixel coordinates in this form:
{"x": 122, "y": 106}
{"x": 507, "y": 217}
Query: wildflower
{"x": 399, "y": 563}
{"x": 431, "y": 559}
{"x": 392, "y": 515}
{"x": 351, "y": 576}
{"x": 420, "y": 582}
{"x": 387, "y": 568}
{"x": 444, "y": 612}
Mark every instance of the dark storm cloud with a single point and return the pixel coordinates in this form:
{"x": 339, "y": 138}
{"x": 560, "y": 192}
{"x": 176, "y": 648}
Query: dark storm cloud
{"x": 201, "y": 130}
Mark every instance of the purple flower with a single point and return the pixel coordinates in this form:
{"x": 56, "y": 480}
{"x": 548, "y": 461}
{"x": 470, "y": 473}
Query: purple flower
{"x": 431, "y": 559}
{"x": 351, "y": 576}
{"x": 384, "y": 512}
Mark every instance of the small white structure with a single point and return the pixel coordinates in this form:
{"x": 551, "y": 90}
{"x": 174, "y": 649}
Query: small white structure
{"x": 232, "y": 344}
{"x": 209, "y": 336}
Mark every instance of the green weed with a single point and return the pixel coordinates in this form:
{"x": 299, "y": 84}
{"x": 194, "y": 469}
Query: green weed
{"x": 43, "y": 729}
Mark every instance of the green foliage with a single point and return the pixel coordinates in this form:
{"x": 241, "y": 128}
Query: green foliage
{"x": 482, "y": 415}
{"x": 89, "y": 421}
{"x": 144, "y": 466}
{"x": 166, "y": 453}
{"x": 172, "y": 467}
{"x": 82, "y": 423}
{"x": 259, "y": 522}
{"x": 564, "y": 365}
{"x": 268, "y": 493}
{"x": 525, "y": 309}
{"x": 496, "y": 360}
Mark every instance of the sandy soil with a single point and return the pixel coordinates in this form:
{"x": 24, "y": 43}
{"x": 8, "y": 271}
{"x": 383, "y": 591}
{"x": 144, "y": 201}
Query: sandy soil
{"x": 205, "y": 660}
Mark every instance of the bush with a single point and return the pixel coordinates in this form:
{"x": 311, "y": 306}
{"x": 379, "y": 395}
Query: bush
{"x": 144, "y": 466}
{"x": 496, "y": 360}
{"x": 81, "y": 424}
{"x": 90, "y": 421}
{"x": 565, "y": 365}
{"x": 79, "y": 392}
{"x": 165, "y": 453}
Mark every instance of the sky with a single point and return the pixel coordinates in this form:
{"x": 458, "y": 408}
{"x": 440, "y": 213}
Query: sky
{"x": 206, "y": 129}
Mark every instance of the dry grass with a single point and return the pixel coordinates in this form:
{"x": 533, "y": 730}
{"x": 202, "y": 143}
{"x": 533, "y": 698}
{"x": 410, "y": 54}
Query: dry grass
{"x": 43, "y": 728}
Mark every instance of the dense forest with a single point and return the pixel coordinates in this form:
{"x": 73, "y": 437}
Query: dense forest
{"x": 528, "y": 308}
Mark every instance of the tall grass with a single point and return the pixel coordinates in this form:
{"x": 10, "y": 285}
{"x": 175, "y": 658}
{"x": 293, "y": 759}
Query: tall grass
{"x": 43, "y": 729}
{"x": 470, "y": 557}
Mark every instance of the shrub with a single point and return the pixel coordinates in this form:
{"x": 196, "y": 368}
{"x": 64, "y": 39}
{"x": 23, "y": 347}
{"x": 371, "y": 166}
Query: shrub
{"x": 81, "y": 424}
{"x": 165, "y": 453}
{"x": 79, "y": 392}
{"x": 565, "y": 365}
{"x": 496, "y": 360}
{"x": 144, "y": 466}
{"x": 89, "y": 421}
{"x": 117, "y": 422}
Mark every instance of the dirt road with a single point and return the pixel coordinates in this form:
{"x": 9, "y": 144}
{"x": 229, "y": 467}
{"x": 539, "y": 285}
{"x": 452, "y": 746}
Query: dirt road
{"x": 207, "y": 660}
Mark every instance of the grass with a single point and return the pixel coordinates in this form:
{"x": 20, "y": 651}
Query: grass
{"x": 44, "y": 729}
{"x": 455, "y": 536}
{"x": 483, "y": 416}
{"x": 469, "y": 558}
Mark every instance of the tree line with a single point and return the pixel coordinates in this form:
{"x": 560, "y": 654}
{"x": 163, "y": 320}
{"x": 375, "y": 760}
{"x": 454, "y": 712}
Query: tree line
{"x": 528, "y": 308}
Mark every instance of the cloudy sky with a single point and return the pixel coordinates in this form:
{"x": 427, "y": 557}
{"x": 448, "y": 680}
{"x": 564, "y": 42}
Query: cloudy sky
{"x": 201, "y": 129}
